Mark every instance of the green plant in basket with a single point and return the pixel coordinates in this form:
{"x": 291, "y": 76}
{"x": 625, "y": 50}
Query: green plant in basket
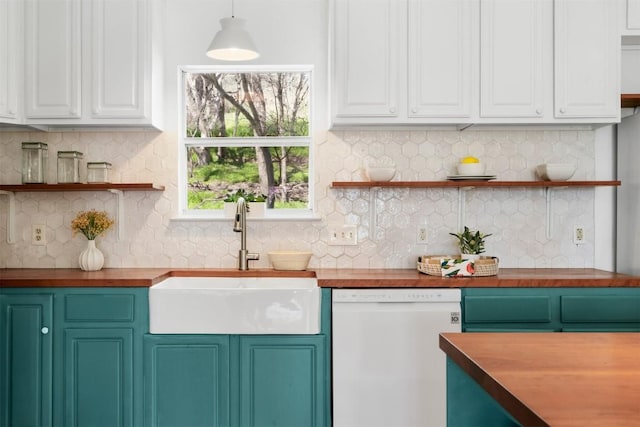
{"x": 470, "y": 242}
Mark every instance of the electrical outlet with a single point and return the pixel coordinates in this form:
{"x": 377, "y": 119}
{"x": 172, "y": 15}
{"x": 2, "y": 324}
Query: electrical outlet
{"x": 421, "y": 235}
{"x": 38, "y": 235}
{"x": 579, "y": 237}
{"x": 343, "y": 235}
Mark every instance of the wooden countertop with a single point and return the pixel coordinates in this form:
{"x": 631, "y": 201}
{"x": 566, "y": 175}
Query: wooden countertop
{"x": 327, "y": 278}
{"x": 555, "y": 379}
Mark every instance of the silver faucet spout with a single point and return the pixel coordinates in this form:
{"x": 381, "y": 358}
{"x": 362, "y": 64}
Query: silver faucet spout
{"x": 240, "y": 226}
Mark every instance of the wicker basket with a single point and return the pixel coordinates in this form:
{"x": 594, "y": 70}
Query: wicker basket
{"x": 484, "y": 266}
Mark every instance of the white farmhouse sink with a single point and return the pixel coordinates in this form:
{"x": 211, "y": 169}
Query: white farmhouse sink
{"x": 235, "y": 305}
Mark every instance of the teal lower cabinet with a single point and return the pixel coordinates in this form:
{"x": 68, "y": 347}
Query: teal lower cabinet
{"x": 550, "y": 309}
{"x": 601, "y": 312}
{"x": 186, "y": 380}
{"x": 98, "y": 380}
{"x": 282, "y": 381}
{"x": 235, "y": 380}
{"x": 239, "y": 380}
{"x": 26, "y": 359}
{"x": 71, "y": 356}
{"x": 500, "y": 310}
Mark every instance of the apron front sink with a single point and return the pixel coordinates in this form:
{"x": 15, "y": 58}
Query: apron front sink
{"x": 235, "y": 305}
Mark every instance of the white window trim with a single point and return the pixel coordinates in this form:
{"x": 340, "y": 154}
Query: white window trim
{"x": 185, "y": 214}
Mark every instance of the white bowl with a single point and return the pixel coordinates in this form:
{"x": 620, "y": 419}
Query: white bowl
{"x": 289, "y": 260}
{"x": 555, "y": 171}
{"x": 381, "y": 173}
{"x": 473, "y": 169}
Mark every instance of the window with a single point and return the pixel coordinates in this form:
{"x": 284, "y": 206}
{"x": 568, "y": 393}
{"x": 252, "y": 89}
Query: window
{"x": 246, "y": 130}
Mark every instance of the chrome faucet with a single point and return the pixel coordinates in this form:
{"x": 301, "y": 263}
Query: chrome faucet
{"x": 240, "y": 226}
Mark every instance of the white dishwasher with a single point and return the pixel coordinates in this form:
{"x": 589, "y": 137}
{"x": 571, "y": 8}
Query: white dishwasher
{"x": 388, "y": 369}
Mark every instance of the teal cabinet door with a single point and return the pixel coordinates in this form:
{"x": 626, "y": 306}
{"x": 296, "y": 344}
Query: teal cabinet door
{"x": 282, "y": 381}
{"x": 26, "y": 326}
{"x": 98, "y": 349}
{"x": 98, "y": 380}
{"x": 186, "y": 381}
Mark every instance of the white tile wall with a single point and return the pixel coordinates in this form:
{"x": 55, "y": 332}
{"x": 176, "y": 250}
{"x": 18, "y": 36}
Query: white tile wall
{"x": 387, "y": 239}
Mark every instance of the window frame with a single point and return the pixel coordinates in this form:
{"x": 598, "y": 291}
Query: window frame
{"x": 184, "y": 141}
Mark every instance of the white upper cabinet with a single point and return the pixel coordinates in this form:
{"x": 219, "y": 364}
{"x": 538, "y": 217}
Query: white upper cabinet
{"x": 440, "y": 45}
{"x": 368, "y": 50}
{"x": 52, "y": 59}
{"x": 89, "y": 63}
{"x": 587, "y": 60}
{"x": 116, "y": 55}
{"x": 630, "y": 17}
{"x": 461, "y": 62}
{"x": 10, "y": 69}
{"x": 516, "y": 58}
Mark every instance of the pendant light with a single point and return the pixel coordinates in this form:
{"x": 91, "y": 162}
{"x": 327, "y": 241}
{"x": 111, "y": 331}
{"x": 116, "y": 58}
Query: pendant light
{"x": 232, "y": 42}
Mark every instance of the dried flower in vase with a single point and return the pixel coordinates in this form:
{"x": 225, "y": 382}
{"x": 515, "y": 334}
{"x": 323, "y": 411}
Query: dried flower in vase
{"x": 91, "y": 223}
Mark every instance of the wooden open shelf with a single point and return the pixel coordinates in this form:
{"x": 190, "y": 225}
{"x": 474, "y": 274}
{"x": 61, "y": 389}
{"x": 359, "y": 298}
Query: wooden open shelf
{"x": 469, "y": 183}
{"x": 463, "y": 186}
{"x": 116, "y": 189}
{"x": 630, "y": 100}
{"x": 82, "y": 187}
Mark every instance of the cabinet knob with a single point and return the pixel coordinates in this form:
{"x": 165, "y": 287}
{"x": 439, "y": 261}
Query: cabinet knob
{"x": 538, "y": 111}
{"x": 414, "y": 110}
{"x": 562, "y": 110}
{"x": 392, "y": 110}
{"x": 44, "y": 330}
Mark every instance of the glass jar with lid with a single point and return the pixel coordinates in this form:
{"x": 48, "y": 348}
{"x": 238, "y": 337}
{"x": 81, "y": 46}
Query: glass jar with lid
{"x": 98, "y": 172}
{"x": 69, "y": 167}
{"x": 34, "y": 162}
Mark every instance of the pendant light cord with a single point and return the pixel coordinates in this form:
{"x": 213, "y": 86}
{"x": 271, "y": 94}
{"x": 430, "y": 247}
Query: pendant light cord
{"x": 233, "y": 15}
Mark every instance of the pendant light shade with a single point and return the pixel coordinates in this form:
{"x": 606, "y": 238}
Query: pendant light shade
{"x": 232, "y": 42}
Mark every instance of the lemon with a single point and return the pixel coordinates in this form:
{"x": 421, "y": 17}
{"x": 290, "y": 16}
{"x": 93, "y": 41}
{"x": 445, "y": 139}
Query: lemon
{"x": 470, "y": 159}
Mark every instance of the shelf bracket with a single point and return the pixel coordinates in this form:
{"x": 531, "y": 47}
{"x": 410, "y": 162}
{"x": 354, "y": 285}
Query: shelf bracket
{"x": 119, "y": 211}
{"x": 373, "y": 212}
{"x": 462, "y": 206}
{"x": 548, "y": 222}
{"x": 549, "y": 219}
{"x": 10, "y": 216}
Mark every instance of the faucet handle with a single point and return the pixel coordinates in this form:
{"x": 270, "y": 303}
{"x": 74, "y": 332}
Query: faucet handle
{"x": 253, "y": 256}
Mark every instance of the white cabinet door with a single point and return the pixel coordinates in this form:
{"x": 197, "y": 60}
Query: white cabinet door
{"x": 10, "y": 58}
{"x": 52, "y": 61}
{"x": 440, "y": 76}
{"x": 116, "y": 57}
{"x": 368, "y": 45}
{"x": 516, "y": 58}
{"x": 587, "y": 57}
{"x": 630, "y": 17}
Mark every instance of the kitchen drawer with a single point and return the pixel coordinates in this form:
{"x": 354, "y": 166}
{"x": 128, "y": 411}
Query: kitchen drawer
{"x": 507, "y": 309}
{"x": 600, "y": 309}
{"x": 99, "y": 307}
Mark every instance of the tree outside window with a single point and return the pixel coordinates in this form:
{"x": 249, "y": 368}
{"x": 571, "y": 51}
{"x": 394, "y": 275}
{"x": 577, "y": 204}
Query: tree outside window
{"x": 246, "y": 130}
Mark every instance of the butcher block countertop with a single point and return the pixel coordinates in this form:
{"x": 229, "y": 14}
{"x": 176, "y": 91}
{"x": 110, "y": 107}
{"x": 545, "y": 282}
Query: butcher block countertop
{"x": 555, "y": 379}
{"x": 327, "y": 278}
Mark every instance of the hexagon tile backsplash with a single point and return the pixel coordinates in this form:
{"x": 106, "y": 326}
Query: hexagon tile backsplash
{"x": 387, "y": 219}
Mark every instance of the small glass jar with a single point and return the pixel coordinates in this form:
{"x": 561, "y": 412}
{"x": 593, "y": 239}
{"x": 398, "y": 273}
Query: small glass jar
{"x": 34, "y": 162}
{"x": 98, "y": 172}
{"x": 69, "y": 167}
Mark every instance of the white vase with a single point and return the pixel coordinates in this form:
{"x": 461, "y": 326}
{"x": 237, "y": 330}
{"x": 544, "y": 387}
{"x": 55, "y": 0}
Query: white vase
{"x": 91, "y": 259}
